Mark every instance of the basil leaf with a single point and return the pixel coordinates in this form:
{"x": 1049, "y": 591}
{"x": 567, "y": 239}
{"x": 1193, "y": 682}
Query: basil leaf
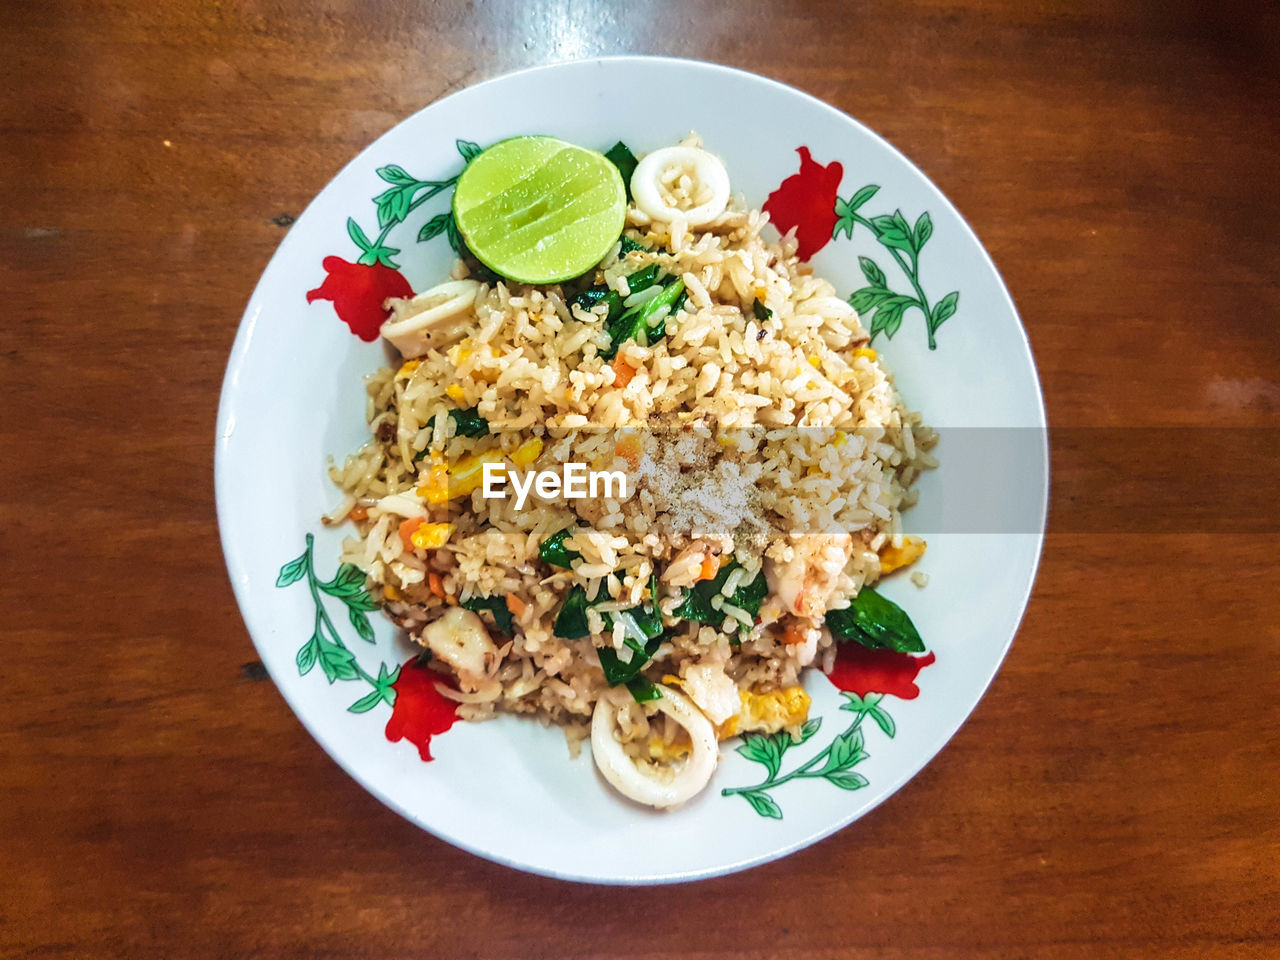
{"x": 844, "y": 626}
{"x": 617, "y": 672}
{"x": 696, "y": 604}
{"x": 643, "y": 279}
{"x": 671, "y": 298}
{"x": 496, "y": 606}
{"x": 749, "y": 596}
{"x": 644, "y": 690}
{"x": 571, "y": 621}
{"x": 649, "y": 619}
{"x": 621, "y": 325}
{"x": 877, "y": 622}
{"x": 602, "y": 294}
{"x": 553, "y": 551}
{"x": 571, "y": 624}
{"x": 762, "y": 313}
{"x": 620, "y": 156}
{"x": 627, "y": 245}
{"x": 640, "y": 317}
{"x": 469, "y": 423}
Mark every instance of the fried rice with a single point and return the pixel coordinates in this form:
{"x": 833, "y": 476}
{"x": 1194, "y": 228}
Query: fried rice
{"x": 762, "y": 429}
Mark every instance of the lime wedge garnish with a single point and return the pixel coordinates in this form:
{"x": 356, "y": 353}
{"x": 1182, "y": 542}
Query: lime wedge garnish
{"x": 539, "y": 210}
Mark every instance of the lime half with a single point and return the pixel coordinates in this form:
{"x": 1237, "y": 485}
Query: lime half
{"x": 539, "y": 210}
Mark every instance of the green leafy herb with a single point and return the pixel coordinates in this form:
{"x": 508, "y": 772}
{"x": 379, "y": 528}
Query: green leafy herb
{"x": 571, "y": 621}
{"x": 469, "y": 423}
{"x": 762, "y": 313}
{"x": 643, "y": 279}
{"x": 640, "y": 280}
{"x": 454, "y": 236}
{"x": 654, "y": 313}
{"x": 496, "y": 606}
{"x": 626, "y": 245}
{"x": 553, "y": 551}
{"x": 647, "y": 320}
{"x": 622, "y": 158}
{"x": 644, "y": 690}
{"x": 643, "y": 625}
{"x": 877, "y": 622}
{"x": 650, "y": 617}
{"x": 589, "y": 298}
{"x": 696, "y": 604}
{"x": 616, "y": 672}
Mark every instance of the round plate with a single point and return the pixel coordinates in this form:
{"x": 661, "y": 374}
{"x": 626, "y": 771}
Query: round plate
{"x": 508, "y": 789}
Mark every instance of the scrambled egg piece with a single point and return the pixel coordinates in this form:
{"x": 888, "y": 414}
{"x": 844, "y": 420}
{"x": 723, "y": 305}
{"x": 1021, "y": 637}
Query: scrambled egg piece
{"x": 665, "y": 752}
{"x": 767, "y": 712}
{"x": 893, "y": 558}
{"x": 445, "y": 483}
{"x": 758, "y": 713}
{"x": 431, "y": 536}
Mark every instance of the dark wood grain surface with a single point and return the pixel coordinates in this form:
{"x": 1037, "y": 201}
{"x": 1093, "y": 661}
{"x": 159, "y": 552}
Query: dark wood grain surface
{"x": 1115, "y": 794}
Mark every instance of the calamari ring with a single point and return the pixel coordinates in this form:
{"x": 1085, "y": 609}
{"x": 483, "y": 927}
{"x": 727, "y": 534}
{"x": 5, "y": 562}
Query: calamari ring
{"x": 634, "y": 782}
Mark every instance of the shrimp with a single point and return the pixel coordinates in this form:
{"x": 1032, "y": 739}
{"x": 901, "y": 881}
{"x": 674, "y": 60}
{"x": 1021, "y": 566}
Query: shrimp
{"x": 805, "y": 583}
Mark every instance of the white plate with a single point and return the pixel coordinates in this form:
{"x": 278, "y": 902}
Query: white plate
{"x": 507, "y": 790}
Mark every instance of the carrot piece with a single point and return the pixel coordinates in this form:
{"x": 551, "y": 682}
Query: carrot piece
{"x": 794, "y": 633}
{"x": 630, "y": 449}
{"x": 710, "y": 567}
{"x": 408, "y": 529}
{"x": 436, "y": 583}
{"x": 515, "y": 604}
{"x": 622, "y": 372}
{"x": 358, "y": 513}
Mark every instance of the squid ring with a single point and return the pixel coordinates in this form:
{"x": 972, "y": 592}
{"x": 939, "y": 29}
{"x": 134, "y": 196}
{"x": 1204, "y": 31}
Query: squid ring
{"x": 704, "y": 168}
{"x": 415, "y": 334}
{"x": 640, "y": 785}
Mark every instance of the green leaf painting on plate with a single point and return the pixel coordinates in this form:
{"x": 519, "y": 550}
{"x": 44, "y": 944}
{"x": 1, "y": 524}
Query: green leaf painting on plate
{"x": 877, "y": 303}
{"x": 404, "y": 194}
{"x": 325, "y": 647}
{"x": 834, "y": 764}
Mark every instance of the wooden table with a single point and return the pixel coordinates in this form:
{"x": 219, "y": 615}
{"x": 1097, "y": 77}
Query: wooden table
{"x": 1115, "y": 794}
